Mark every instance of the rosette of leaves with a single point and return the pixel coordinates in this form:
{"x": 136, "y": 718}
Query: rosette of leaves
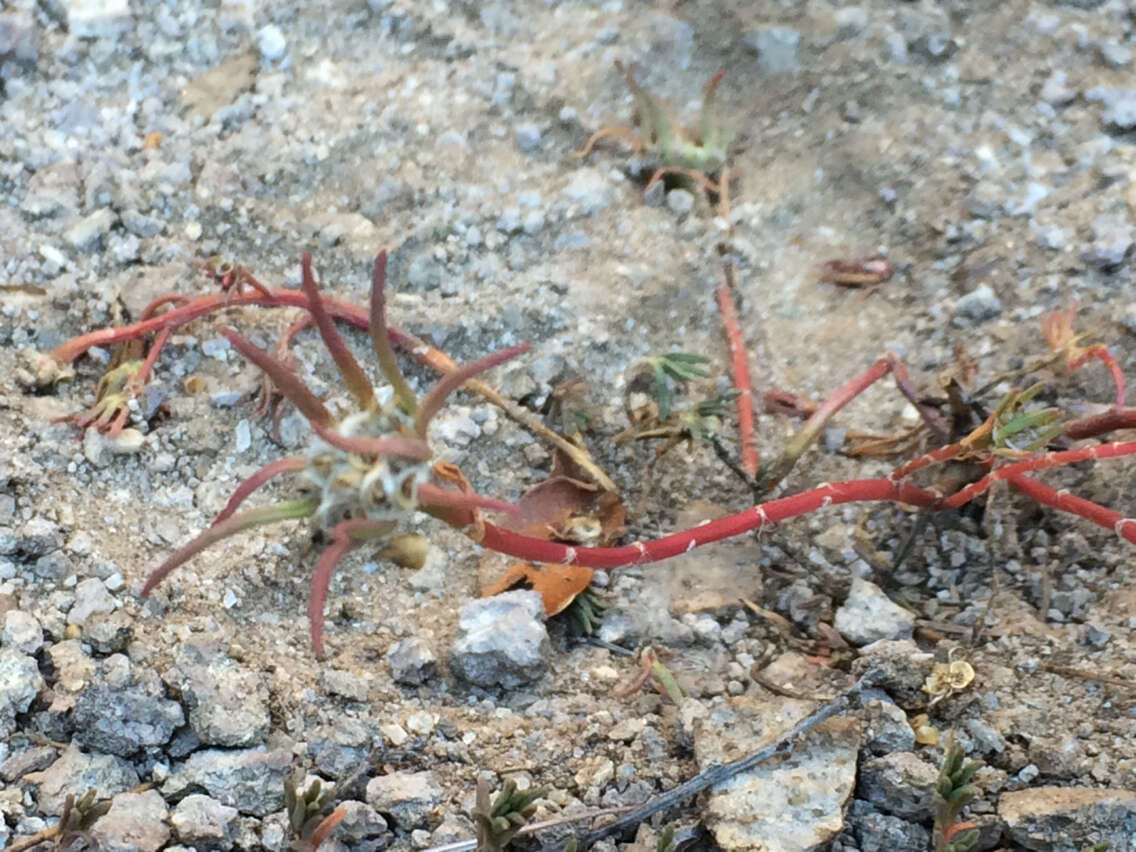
{"x": 498, "y": 820}
{"x": 703, "y": 149}
{"x": 75, "y": 821}
{"x": 952, "y": 791}
{"x": 308, "y": 817}
{"x": 362, "y": 473}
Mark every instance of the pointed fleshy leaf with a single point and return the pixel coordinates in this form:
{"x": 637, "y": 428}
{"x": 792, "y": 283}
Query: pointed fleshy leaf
{"x": 411, "y": 448}
{"x": 709, "y": 130}
{"x": 432, "y": 495}
{"x": 238, "y": 523}
{"x": 345, "y": 536}
{"x": 388, "y": 363}
{"x": 353, "y": 375}
{"x": 432, "y": 402}
{"x": 287, "y": 382}
{"x": 652, "y": 115}
{"x": 289, "y": 464}
{"x": 327, "y": 825}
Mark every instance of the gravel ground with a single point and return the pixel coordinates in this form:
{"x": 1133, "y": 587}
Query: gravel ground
{"x": 985, "y": 148}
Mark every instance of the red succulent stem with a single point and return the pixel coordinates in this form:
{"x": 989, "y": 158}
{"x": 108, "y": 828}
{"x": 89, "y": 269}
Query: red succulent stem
{"x": 810, "y": 430}
{"x": 202, "y": 306}
{"x": 739, "y": 366}
{"x": 755, "y": 517}
{"x": 1101, "y": 353}
{"x": 433, "y": 495}
{"x": 1100, "y": 424}
{"x": 345, "y": 536}
{"x": 287, "y": 510}
{"x": 1057, "y": 459}
{"x": 950, "y": 451}
{"x": 151, "y": 308}
{"x": 1064, "y": 501}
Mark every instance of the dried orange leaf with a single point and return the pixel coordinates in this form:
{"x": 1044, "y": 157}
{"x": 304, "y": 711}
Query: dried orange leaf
{"x": 558, "y": 585}
{"x": 569, "y": 510}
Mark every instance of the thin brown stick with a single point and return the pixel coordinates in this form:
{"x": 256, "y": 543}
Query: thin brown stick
{"x": 1081, "y": 674}
{"x": 438, "y": 360}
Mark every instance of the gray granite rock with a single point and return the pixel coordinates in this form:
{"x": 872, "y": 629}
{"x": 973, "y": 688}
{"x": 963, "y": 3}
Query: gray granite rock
{"x": 53, "y": 191}
{"x": 411, "y": 660}
{"x": 105, "y": 19}
{"x": 1112, "y": 239}
{"x": 1114, "y": 54}
{"x": 792, "y": 803}
{"x": 886, "y": 728}
{"x": 74, "y": 773}
{"x": 408, "y": 797}
{"x": 1069, "y": 818}
{"x": 34, "y": 759}
{"x": 680, "y": 202}
{"x": 20, "y": 682}
{"x": 204, "y": 823}
{"x": 344, "y": 683}
{"x": 898, "y": 667}
{"x": 21, "y": 632}
{"x": 91, "y": 596}
{"x": 1056, "y": 91}
{"x": 777, "y": 49}
{"x": 271, "y": 42}
{"x": 227, "y": 703}
{"x": 528, "y": 137}
{"x": 900, "y": 784}
{"x": 978, "y": 306}
{"x": 38, "y": 537}
{"x": 250, "y": 780}
{"x": 868, "y": 615}
{"x": 588, "y": 190}
{"x": 360, "y": 822}
{"x": 126, "y": 712}
{"x": 986, "y": 200}
{"x": 136, "y": 822}
{"x": 501, "y": 641}
{"x": 878, "y": 832}
{"x": 20, "y": 35}
{"x": 851, "y": 22}
{"x": 85, "y": 233}
{"x": 338, "y": 749}
{"x": 108, "y": 632}
{"x": 1120, "y": 113}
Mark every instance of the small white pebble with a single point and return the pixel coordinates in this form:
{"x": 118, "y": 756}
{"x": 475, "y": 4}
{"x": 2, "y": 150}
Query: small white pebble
{"x": 243, "y": 436}
{"x": 271, "y": 42}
